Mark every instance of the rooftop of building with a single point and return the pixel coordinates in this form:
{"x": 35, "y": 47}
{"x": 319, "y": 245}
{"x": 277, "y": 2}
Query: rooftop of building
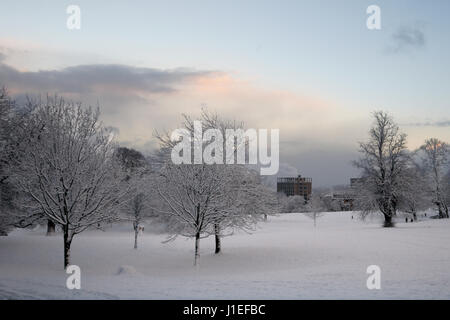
{"x": 299, "y": 178}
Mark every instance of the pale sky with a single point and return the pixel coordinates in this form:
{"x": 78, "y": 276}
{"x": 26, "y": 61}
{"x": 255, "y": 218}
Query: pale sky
{"x": 309, "y": 68}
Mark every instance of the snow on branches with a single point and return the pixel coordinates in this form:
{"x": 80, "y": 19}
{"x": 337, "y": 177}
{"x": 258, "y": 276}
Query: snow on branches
{"x": 66, "y": 170}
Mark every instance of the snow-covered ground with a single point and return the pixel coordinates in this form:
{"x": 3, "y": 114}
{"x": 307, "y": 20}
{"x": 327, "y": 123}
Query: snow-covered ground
{"x": 286, "y": 258}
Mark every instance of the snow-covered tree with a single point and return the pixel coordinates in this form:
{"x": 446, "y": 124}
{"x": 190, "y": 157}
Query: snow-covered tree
{"x": 293, "y": 203}
{"x": 250, "y": 198}
{"x": 207, "y": 199}
{"x": 5, "y": 187}
{"x": 191, "y": 194}
{"x": 15, "y": 126}
{"x": 383, "y": 163}
{"x": 315, "y": 208}
{"x": 446, "y": 186}
{"x": 5, "y": 116}
{"x": 435, "y": 161}
{"x": 248, "y": 202}
{"x": 137, "y": 171}
{"x": 66, "y": 170}
{"x": 11, "y": 118}
{"x": 413, "y": 195}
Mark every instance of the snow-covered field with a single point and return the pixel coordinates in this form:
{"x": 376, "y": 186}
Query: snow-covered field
{"x": 286, "y": 258}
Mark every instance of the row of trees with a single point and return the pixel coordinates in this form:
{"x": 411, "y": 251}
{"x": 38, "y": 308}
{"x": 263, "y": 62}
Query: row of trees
{"x": 393, "y": 178}
{"x": 60, "y": 164}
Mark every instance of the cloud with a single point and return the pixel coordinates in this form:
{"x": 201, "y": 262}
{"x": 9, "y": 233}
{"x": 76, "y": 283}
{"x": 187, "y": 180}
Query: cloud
{"x": 91, "y": 78}
{"x": 407, "y": 38}
{"x": 135, "y": 101}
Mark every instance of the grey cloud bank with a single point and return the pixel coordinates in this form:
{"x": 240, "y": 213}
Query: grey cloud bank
{"x": 86, "y": 78}
{"x": 132, "y": 101}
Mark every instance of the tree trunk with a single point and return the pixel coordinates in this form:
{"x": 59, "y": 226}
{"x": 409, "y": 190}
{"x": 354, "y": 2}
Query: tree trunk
{"x": 443, "y": 210}
{"x": 265, "y": 217}
{"x": 67, "y": 243}
{"x": 197, "y": 237}
{"x": 136, "y": 231}
{"x": 197, "y": 248}
{"x": 50, "y": 227}
{"x": 388, "y": 221}
{"x": 217, "y": 236}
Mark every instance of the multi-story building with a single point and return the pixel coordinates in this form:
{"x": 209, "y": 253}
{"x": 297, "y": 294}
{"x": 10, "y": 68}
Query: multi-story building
{"x": 295, "y": 186}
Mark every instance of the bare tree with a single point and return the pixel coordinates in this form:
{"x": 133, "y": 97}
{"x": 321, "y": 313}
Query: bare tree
{"x": 446, "y": 187}
{"x": 249, "y": 199}
{"x": 383, "y": 163}
{"x": 15, "y": 127}
{"x": 5, "y": 115}
{"x": 10, "y": 120}
{"x": 435, "y": 160}
{"x": 190, "y": 193}
{"x": 206, "y": 199}
{"x": 66, "y": 169}
{"x": 137, "y": 173}
{"x": 5, "y": 188}
{"x": 248, "y": 202}
{"x": 315, "y": 208}
{"x": 412, "y": 195}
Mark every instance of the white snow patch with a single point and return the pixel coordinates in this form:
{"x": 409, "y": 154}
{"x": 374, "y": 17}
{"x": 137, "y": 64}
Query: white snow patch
{"x": 285, "y": 258}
